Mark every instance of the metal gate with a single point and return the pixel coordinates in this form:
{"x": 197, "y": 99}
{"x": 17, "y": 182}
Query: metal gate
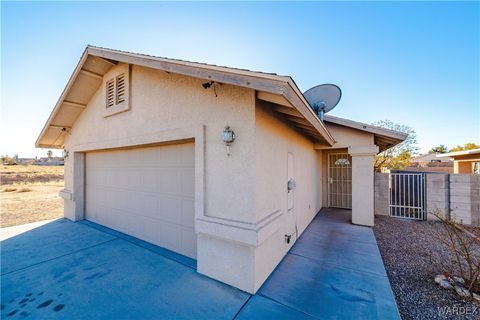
{"x": 407, "y": 195}
{"x": 340, "y": 180}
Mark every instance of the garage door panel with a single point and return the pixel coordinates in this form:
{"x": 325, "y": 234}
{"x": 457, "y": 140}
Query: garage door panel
{"x": 147, "y": 193}
{"x": 187, "y": 188}
{"x": 148, "y": 205}
{"x": 127, "y": 178}
{"x": 186, "y": 157}
{"x": 169, "y": 184}
{"x": 151, "y": 157}
{"x": 149, "y": 179}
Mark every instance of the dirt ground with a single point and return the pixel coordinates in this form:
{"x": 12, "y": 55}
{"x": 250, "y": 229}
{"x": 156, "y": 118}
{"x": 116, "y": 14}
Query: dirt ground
{"x": 30, "y": 194}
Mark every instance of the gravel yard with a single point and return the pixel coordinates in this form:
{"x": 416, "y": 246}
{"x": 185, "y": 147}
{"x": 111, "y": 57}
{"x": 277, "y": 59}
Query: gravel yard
{"x": 407, "y": 247}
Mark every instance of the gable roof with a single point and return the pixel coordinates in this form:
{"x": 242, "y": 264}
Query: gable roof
{"x": 383, "y": 138}
{"x": 430, "y": 156}
{"x": 96, "y": 62}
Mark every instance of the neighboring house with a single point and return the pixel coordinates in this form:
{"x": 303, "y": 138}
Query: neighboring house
{"x": 53, "y": 161}
{"x": 26, "y": 161}
{"x": 431, "y": 163}
{"x": 425, "y": 159}
{"x": 150, "y": 153}
{"x": 466, "y": 161}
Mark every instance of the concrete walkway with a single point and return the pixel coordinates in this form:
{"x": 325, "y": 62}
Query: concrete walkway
{"x": 334, "y": 271}
{"x": 65, "y": 270}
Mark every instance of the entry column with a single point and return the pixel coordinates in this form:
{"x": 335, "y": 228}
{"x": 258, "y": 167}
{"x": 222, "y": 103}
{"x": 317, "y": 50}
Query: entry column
{"x": 363, "y": 158}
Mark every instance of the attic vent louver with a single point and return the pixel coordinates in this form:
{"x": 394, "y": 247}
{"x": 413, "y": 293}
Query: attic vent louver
{"x": 110, "y": 93}
{"x": 117, "y": 85}
{"x": 120, "y": 88}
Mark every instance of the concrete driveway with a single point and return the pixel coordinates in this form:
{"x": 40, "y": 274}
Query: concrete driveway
{"x": 66, "y": 270}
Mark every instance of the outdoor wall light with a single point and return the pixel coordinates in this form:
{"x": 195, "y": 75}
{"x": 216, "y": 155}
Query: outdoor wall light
{"x": 64, "y": 153}
{"x": 228, "y": 138}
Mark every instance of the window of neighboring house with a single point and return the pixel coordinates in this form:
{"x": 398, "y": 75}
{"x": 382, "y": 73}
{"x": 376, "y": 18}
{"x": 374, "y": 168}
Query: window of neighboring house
{"x": 117, "y": 92}
{"x": 476, "y": 167}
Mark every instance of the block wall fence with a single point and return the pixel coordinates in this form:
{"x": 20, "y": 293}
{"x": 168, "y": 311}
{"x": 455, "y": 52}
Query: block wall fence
{"x": 456, "y": 195}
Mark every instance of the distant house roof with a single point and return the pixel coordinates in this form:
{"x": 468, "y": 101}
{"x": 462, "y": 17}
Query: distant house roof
{"x": 52, "y": 159}
{"x": 431, "y": 156}
{"x": 383, "y": 138}
{"x": 460, "y": 153}
{"x": 95, "y": 63}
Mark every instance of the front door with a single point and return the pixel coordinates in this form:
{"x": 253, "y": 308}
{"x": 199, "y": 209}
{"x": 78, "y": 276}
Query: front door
{"x": 340, "y": 180}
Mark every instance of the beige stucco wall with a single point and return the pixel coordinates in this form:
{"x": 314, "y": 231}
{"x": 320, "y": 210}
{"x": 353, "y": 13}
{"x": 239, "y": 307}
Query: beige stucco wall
{"x": 346, "y": 137}
{"x": 274, "y": 139}
{"x": 166, "y": 107}
{"x": 162, "y": 103}
{"x": 241, "y": 199}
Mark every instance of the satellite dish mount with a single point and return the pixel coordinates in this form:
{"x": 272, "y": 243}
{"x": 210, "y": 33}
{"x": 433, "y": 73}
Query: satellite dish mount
{"x": 323, "y": 98}
{"x": 319, "y": 109}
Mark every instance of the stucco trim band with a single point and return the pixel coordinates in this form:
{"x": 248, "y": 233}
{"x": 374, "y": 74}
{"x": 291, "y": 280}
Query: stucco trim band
{"x": 363, "y": 150}
{"x": 252, "y": 234}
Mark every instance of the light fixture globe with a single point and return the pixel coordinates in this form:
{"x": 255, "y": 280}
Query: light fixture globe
{"x": 228, "y": 135}
{"x": 228, "y": 138}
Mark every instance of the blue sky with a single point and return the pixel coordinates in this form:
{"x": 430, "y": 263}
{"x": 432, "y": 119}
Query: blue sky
{"x": 413, "y": 63}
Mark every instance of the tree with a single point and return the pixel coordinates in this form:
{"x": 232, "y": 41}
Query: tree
{"x": 439, "y": 149}
{"x": 399, "y": 156}
{"x": 7, "y": 160}
{"x": 49, "y": 154}
{"x": 466, "y": 146}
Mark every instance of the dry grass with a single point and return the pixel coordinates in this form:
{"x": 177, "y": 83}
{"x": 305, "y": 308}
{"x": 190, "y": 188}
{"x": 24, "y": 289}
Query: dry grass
{"x": 30, "y": 174}
{"x": 29, "y": 194}
{"x": 16, "y": 189}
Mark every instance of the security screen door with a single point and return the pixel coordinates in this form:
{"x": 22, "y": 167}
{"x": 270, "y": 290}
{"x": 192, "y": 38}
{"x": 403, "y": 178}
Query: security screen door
{"x": 340, "y": 180}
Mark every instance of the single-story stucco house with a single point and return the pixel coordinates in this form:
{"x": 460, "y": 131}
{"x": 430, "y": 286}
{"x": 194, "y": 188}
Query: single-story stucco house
{"x": 465, "y": 161}
{"x": 225, "y": 166}
{"x": 425, "y": 159}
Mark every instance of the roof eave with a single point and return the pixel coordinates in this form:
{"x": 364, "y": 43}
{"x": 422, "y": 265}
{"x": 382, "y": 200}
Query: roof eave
{"x": 459, "y": 153}
{"x": 293, "y": 94}
{"x": 390, "y": 137}
{"x": 69, "y": 84}
{"x": 275, "y": 84}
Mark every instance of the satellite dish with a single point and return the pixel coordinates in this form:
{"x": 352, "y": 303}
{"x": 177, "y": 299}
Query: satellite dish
{"x": 323, "y": 98}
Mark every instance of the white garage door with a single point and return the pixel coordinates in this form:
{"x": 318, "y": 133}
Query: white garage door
{"x": 147, "y": 193}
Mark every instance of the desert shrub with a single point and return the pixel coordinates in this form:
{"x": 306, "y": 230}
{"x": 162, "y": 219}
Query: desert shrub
{"x": 463, "y": 258}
